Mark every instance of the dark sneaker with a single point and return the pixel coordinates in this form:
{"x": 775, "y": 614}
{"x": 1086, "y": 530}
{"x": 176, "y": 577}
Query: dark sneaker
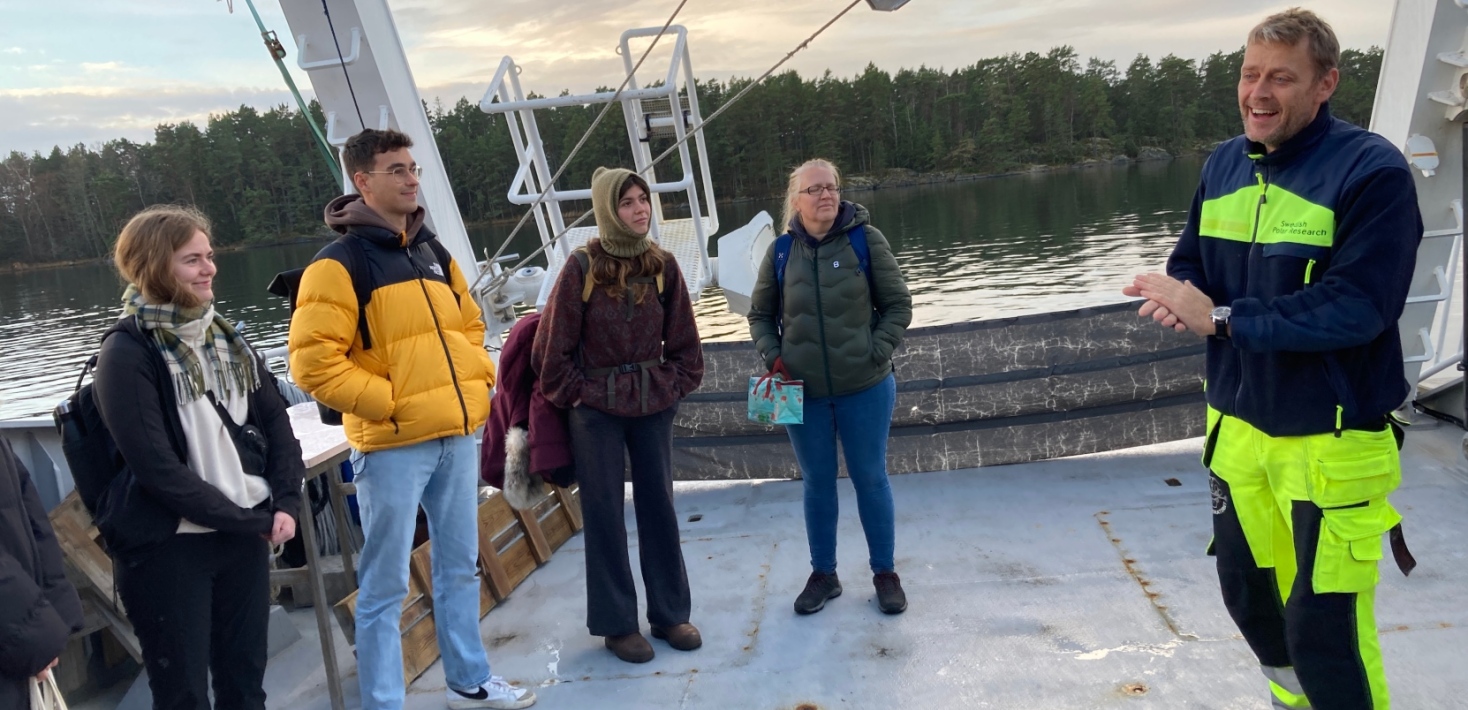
{"x": 632, "y": 648}
{"x": 683, "y": 637}
{"x": 890, "y": 597}
{"x": 819, "y": 588}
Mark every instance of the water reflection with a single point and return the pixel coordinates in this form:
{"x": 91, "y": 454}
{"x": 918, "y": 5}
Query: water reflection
{"x": 973, "y": 250}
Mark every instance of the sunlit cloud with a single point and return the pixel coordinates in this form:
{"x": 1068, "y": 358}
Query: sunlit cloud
{"x": 202, "y": 53}
{"x": 101, "y": 67}
{"x": 93, "y": 115}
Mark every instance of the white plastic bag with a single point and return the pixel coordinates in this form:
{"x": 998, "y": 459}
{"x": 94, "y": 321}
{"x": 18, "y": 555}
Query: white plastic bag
{"x": 45, "y": 695}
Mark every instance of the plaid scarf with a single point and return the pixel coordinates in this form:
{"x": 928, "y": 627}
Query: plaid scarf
{"x": 224, "y": 349}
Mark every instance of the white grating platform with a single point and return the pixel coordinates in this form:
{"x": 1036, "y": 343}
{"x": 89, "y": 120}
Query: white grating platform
{"x": 678, "y": 236}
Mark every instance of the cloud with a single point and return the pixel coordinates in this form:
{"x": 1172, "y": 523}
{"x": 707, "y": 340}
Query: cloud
{"x": 206, "y": 60}
{"x": 36, "y": 122}
{"x": 102, "y": 67}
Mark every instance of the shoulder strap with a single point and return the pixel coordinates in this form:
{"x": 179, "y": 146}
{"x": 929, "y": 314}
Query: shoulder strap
{"x": 858, "y": 237}
{"x": 782, "y": 257}
{"x": 361, "y": 284}
{"x": 587, "y": 282}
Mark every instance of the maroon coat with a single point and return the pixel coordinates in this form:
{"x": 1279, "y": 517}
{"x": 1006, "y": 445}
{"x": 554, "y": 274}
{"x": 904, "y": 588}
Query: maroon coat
{"x": 518, "y": 402}
{"x": 603, "y": 334}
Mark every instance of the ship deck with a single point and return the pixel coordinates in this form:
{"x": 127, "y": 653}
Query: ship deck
{"x": 1070, "y": 583}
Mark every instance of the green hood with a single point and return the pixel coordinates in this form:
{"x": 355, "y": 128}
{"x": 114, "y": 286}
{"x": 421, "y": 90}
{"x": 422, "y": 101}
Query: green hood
{"x": 616, "y": 238}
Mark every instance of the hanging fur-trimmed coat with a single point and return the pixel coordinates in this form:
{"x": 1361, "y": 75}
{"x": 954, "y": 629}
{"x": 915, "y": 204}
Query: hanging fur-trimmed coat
{"x": 525, "y": 440}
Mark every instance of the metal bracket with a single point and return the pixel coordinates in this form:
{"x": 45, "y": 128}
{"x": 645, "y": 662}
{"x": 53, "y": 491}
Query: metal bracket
{"x": 351, "y": 56}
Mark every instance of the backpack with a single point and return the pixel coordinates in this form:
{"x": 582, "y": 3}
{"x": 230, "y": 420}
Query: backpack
{"x": 288, "y": 283}
{"x": 858, "y": 238}
{"x": 128, "y": 518}
{"x": 88, "y": 446}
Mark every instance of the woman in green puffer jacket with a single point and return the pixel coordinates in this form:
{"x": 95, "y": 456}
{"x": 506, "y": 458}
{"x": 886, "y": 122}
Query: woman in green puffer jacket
{"x": 836, "y": 331}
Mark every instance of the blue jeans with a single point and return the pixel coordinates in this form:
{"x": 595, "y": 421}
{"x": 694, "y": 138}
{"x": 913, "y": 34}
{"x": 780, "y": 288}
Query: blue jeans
{"x": 861, "y": 421}
{"x": 442, "y": 475}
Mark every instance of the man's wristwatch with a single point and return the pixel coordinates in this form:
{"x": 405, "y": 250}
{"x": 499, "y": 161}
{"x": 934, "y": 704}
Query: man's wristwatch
{"x": 1220, "y": 316}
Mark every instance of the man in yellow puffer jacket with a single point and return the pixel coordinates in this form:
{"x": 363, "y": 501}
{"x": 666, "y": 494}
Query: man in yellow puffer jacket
{"x": 409, "y": 373}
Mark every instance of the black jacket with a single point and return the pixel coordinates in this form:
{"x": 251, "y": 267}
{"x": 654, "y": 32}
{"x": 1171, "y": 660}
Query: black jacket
{"x": 39, "y": 609}
{"x": 143, "y": 505}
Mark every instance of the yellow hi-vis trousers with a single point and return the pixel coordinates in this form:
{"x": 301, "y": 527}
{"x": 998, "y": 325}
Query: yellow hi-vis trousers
{"x": 1298, "y": 524}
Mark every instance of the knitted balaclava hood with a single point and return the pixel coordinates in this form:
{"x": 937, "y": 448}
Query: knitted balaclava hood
{"x": 616, "y": 238}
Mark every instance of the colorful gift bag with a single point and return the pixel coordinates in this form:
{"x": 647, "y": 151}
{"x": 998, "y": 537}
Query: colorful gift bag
{"x": 774, "y": 400}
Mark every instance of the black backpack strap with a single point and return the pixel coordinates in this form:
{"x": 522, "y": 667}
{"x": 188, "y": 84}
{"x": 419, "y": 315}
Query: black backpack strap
{"x": 361, "y": 282}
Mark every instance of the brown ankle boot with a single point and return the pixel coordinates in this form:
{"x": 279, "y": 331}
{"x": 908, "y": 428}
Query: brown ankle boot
{"x": 632, "y": 648}
{"x": 684, "y": 636}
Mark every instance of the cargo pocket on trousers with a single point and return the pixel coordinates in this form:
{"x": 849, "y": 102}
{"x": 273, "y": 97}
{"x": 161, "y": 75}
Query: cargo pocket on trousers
{"x": 1349, "y": 550}
{"x": 1357, "y": 467}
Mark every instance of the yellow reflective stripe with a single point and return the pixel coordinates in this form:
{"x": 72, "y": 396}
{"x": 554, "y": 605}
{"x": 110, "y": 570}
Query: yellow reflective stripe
{"x": 1284, "y": 218}
{"x": 1339, "y": 413}
{"x": 1309, "y": 267}
{"x": 1221, "y": 216}
{"x": 1284, "y": 698}
{"x": 1369, "y": 647}
{"x": 1287, "y": 217}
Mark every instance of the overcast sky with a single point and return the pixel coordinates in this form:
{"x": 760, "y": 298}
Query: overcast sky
{"x": 85, "y": 71}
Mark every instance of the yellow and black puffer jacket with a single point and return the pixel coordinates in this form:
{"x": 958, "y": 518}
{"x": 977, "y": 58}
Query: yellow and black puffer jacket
{"x": 426, "y": 375}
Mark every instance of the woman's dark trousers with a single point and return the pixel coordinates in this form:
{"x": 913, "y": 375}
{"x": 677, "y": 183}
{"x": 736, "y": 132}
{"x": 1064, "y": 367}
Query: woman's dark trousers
{"x": 603, "y": 444}
{"x": 201, "y": 603}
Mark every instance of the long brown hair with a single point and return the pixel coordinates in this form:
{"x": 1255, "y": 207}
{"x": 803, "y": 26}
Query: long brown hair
{"x": 144, "y": 252}
{"x": 611, "y": 272}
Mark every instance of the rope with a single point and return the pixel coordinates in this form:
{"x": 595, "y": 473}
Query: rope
{"x": 500, "y": 279}
{"x": 343, "y": 60}
{"x": 331, "y": 165}
{"x": 550, "y": 185}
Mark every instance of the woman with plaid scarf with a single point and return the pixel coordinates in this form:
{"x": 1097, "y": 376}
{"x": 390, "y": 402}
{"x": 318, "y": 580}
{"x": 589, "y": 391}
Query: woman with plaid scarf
{"x": 191, "y": 517}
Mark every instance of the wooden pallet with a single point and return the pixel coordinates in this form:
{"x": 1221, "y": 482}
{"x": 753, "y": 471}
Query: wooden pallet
{"x": 89, "y": 569}
{"x": 512, "y": 544}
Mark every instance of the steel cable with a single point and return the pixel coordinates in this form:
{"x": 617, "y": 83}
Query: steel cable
{"x": 500, "y": 279}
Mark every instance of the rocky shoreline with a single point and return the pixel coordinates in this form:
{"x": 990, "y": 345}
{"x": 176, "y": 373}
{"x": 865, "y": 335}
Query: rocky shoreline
{"x": 903, "y": 177}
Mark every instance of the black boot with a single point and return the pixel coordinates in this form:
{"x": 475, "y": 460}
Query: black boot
{"x": 819, "y": 588}
{"x": 890, "y": 597}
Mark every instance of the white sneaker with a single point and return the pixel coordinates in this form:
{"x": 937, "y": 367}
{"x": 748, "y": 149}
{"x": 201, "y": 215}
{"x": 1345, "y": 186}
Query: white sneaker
{"x": 495, "y": 694}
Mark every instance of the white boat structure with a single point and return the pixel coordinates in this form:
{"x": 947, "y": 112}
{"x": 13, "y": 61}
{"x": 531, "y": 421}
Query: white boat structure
{"x": 1076, "y": 582}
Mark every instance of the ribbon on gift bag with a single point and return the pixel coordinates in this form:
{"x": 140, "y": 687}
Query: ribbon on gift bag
{"x": 775, "y": 400}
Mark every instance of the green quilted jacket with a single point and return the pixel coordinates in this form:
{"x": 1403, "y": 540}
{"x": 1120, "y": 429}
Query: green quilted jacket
{"x": 838, "y": 336}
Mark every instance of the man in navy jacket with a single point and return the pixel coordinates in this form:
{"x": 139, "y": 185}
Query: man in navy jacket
{"x": 1295, "y": 264}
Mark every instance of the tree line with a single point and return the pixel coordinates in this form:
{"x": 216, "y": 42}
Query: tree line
{"x": 256, "y": 174}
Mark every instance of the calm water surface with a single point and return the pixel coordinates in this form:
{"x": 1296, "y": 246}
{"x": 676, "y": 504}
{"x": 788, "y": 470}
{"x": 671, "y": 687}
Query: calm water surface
{"x": 974, "y": 250}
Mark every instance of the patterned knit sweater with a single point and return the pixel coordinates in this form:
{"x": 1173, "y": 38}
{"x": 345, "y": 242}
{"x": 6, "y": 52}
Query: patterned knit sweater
{"x": 603, "y": 334}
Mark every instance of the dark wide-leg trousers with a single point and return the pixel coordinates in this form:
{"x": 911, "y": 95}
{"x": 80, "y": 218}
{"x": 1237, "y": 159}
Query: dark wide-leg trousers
{"x": 200, "y": 603}
{"x": 603, "y": 445}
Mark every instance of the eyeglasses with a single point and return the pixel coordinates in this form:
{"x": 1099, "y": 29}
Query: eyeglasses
{"x": 816, "y": 190}
{"x": 399, "y": 172}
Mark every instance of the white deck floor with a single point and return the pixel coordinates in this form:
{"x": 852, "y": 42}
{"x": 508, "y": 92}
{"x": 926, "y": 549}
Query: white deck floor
{"x": 1028, "y": 588}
